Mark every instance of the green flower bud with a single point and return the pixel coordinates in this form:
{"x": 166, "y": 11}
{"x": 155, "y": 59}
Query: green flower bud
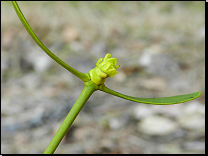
{"x": 104, "y": 68}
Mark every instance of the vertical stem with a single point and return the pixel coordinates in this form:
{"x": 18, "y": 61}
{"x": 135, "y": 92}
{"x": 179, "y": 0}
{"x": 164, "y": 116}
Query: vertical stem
{"x": 87, "y": 91}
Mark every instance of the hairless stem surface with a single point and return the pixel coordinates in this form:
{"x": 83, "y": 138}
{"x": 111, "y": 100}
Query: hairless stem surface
{"x": 93, "y": 80}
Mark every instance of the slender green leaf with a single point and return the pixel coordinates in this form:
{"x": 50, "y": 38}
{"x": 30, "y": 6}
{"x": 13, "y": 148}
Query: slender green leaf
{"x": 155, "y": 101}
{"x": 83, "y": 76}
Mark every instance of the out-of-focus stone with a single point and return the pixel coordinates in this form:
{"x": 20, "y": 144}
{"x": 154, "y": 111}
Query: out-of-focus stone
{"x": 192, "y": 122}
{"x": 156, "y": 125}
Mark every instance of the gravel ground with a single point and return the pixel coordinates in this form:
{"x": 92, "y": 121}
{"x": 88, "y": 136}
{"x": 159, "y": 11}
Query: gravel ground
{"x": 160, "y": 47}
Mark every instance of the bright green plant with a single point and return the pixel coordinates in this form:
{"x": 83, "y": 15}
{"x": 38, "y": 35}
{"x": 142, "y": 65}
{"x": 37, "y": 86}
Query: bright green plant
{"x": 94, "y": 80}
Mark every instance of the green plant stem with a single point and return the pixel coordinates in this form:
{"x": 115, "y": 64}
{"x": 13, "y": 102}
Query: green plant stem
{"x": 87, "y": 91}
{"x": 83, "y": 76}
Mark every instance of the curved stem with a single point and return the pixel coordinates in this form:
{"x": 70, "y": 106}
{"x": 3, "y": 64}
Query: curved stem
{"x": 83, "y": 76}
{"x": 156, "y": 101}
{"x": 87, "y": 91}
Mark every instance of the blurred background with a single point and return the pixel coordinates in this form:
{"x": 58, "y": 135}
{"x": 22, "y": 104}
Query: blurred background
{"x": 160, "y": 47}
